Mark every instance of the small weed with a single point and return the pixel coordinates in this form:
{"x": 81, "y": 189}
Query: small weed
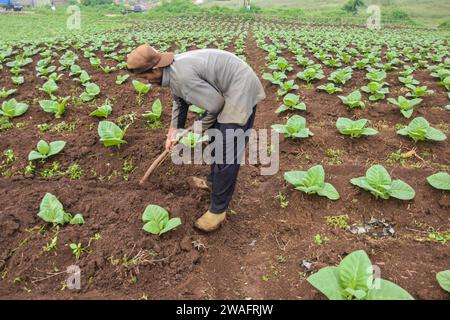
{"x": 74, "y": 171}
{"x": 77, "y": 249}
{"x": 126, "y": 120}
{"x": 337, "y": 222}
{"x": 127, "y": 168}
{"x": 335, "y": 156}
{"x": 284, "y": 202}
{"x": 9, "y": 155}
{"x": 154, "y": 125}
{"x": 319, "y": 240}
{"x": 53, "y": 171}
{"x": 280, "y": 258}
{"x": 59, "y": 127}
{"x": 29, "y": 169}
{"x": 437, "y": 236}
{"x": 51, "y": 245}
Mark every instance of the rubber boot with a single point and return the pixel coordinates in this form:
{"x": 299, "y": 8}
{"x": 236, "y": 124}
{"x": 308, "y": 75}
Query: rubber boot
{"x": 210, "y": 221}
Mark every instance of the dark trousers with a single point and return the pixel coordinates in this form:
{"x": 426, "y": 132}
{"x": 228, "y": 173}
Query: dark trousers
{"x": 224, "y": 175}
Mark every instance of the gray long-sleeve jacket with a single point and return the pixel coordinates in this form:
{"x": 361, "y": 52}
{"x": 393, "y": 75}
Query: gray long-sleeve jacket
{"x": 215, "y": 80}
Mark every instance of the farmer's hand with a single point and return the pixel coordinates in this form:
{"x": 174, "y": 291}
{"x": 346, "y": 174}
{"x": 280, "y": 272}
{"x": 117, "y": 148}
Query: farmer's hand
{"x": 170, "y": 141}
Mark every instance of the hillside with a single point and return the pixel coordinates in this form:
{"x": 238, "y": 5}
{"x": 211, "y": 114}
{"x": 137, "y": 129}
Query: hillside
{"x": 429, "y": 13}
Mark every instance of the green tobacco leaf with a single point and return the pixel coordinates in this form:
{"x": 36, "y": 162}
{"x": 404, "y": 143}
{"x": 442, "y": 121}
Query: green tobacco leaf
{"x": 440, "y": 180}
{"x": 43, "y": 147}
{"x": 295, "y": 177}
{"x": 51, "y": 209}
{"x": 388, "y": 291}
{"x": 77, "y": 219}
{"x": 140, "y": 87}
{"x": 157, "y": 221}
{"x": 443, "y": 279}
{"x": 102, "y": 111}
{"x": 358, "y": 294}
{"x": 110, "y": 134}
{"x": 34, "y": 155}
{"x": 154, "y": 212}
{"x": 56, "y": 147}
{"x": 152, "y": 227}
{"x": 355, "y": 270}
{"x": 401, "y": 190}
{"x": 315, "y": 176}
{"x": 171, "y": 224}
{"x": 329, "y": 191}
{"x": 378, "y": 175}
{"x": 435, "y": 134}
{"x": 326, "y": 280}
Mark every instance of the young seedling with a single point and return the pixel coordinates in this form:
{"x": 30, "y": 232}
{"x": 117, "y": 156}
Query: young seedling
{"x": 95, "y": 62}
{"x": 75, "y": 70}
{"x": 199, "y": 111}
{"x": 353, "y": 279}
{"x": 353, "y": 100}
{"x": 295, "y": 127}
{"x": 121, "y": 78}
{"x": 12, "y": 108}
{"x": 6, "y": 93}
{"x": 156, "y": 220}
{"x": 354, "y": 129}
{"x": 280, "y": 64}
{"x": 192, "y": 139}
{"x": 376, "y": 91}
{"x": 91, "y": 92}
{"x": 291, "y": 102}
{"x": 53, "y": 106}
{"x": 155, "y": 113}
{"x": 341, "y": 76}
{"x": 55, "y": 77}
{"x": 408, "y": 80}
{"x": 107, "y": 69}
{"x": 440, "y": 180}
{"x": 286, "y": 87}
{"x": 418, "y": 91}
{"x": 330, "y": 88}
{"x": 378, "y": 182}
{"x": 110, "y": 134}
{"x": 275, "y": 78}
{"x": 18, "y": 80}
{"x": 310, "y": 74}
{"x": 140, "y": 87}
{"x": 103, "y": 111}
{"x": 52, "y": 211}
{"x": 406, "y": 106}
{"x": 45, "y": 150}
{"x": 419, "y": 129}
{"x": 77, "y": 249}
{"x": 50, "y": 87}
{"x": 312, "y": 182}
{"x": 376, "y": 75}
{"x": 84, "y": 78}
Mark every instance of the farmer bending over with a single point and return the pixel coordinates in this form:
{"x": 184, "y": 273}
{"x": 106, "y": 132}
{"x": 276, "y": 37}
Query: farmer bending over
{"x": 222, "y": 84}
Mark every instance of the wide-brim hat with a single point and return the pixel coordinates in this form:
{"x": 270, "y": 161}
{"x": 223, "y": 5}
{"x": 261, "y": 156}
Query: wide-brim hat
{"x": 145, "y": 57}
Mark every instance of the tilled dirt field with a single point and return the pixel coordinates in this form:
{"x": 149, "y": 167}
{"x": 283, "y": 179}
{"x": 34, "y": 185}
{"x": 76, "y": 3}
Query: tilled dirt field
{"x": 258, "y": 252}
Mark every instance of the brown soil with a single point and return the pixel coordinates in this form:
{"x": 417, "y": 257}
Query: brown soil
{"x": 258, "y": 252}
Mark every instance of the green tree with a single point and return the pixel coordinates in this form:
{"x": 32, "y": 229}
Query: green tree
{"x": 352, "y": 6}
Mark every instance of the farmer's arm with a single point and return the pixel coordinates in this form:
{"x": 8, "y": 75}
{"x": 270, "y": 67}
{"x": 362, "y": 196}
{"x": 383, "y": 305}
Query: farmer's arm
{"x": 179, "y": 113}
{"x": 203, "y": 95}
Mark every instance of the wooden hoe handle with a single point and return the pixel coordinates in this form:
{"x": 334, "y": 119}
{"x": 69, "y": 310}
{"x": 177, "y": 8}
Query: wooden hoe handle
{"x": 163, "y": 156}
